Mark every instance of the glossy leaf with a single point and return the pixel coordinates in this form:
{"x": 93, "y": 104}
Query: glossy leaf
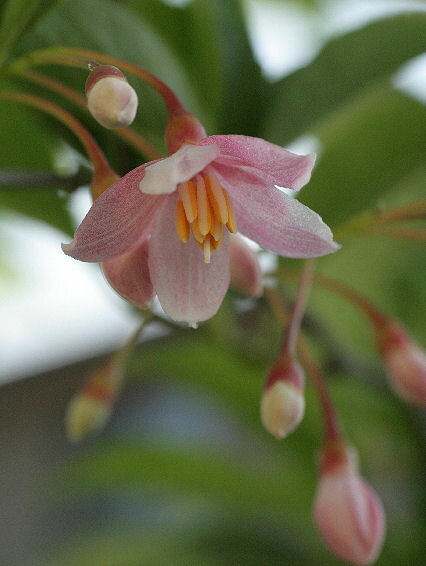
{"x": 345, "y": 68}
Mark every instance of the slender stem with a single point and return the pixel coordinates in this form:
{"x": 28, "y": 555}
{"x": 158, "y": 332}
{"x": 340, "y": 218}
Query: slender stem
{"x": 332, "y": 426}
{"x": 95, "y": 154}
{"x": 56, "y": 86}
{"x": 305, "y": 282}
{"x": 84, "y": 58}
{"x": 123, "y": 352}
{"x": 409, "y": 211}
{"x": 356, "y": 298}
{"x": 331, "y": 422}
{"x": 372, "y": 221}
{"x": 407, "y": 233}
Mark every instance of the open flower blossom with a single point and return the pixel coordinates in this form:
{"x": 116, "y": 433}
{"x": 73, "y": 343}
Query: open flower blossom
{"x": 185, "y": 206}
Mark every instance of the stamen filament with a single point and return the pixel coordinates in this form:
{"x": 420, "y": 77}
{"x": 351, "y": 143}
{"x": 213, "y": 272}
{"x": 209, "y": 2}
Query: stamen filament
{"x": 204, "y": 214}
{"x": 207, "y": 250}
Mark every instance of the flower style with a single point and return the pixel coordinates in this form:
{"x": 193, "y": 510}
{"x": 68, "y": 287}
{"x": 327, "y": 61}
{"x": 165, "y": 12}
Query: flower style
{"x": 181, "y": 209}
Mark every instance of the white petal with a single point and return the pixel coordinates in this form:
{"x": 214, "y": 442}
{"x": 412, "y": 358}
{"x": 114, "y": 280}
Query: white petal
{"x": 163, "y": 176}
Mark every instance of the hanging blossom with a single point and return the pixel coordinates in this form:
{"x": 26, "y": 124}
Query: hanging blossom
{"x": 165, "y": 227}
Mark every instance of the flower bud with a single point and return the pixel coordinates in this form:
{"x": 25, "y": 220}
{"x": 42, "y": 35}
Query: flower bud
{"x": 246, "y": 274}
{"x": 405, "y": 362}
{"x": 110, "y": 98}
{"x": 283, "y": 403}
{"x": 347, "y": 512}
{"x": 90, "y": 409}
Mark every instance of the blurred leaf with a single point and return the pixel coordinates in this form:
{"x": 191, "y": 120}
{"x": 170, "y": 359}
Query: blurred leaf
{"x": 370, "y": 146}
{"x": 24, "y": 144}
{"x": 112, "y": 29}
{"x": 17, "y": 17}
{"x": 211, "y": 40}
{"x": 343, "y": 70}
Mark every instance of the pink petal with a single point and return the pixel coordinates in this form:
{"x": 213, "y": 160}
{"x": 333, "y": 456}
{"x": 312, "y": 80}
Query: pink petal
{"x": 246, "y": 273}
{"x": 163, "y": 176}
{"x": 188, "y": 289}
{"x": 117, "y": 220}
{"x": 274, "y": 220}
{"x": 129, "y": 275}
{"x": 277, "y": 165}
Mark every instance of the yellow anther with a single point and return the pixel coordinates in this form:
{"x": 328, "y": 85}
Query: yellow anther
{"x": 217, "y": 198}
{"x": 188, "y": 195}
{"x": 214, "y": 244}
{"x": 216, "y": 229}
{"x": 232, "y": 221}
{"x": 204, "y": 214}
{"x": 182, "y": 226}
{"x": 204, "y": 208}
{"x": 196, "y": 233}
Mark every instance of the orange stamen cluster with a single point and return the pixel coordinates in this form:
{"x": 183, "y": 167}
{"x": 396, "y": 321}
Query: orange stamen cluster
{"x": 204, "y": 208}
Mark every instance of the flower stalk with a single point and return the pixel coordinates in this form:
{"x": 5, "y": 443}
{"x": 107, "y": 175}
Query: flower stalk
{"x": 103, "y": 175}
{"x": 91, "y": 407}
{"x": 79, "y": 100}
{"x": 332, "y": 428}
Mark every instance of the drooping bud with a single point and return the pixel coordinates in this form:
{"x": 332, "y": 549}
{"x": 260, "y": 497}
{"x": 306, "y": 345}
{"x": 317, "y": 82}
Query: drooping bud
{"x": 246, "y": 274}
{"x": 347, "y": 511}
{"x": 90, "y": 408}
{"x": 110, "y": 98}
{"x": 405, "y": 362}
{"x": 283, "y": 403}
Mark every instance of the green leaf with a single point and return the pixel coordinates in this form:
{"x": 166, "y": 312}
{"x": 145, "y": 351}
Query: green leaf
{"x": 26, "y": 145}
{"x": 344, "y": 69}
{"x": 372, "y": 144}
{"x": 112, "y": 29}
{"x": 211, "y": 40}
{"x": 17, "y": 17}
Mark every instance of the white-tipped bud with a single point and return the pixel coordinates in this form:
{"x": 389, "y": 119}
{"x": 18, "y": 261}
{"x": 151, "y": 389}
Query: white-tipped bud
{"x": 347, "y": 511}
{"x": 85, "y": 415}
{"x": 90, "y": 408}
{"x": 110, "y": 99}
{"x": 283, "y": 403}
{"x": 246, "y": 274}
{"x": 405, "y": 362}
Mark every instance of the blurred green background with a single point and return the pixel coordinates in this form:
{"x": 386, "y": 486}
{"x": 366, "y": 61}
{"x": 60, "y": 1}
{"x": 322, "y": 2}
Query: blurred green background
{"x": 184, "y": 473}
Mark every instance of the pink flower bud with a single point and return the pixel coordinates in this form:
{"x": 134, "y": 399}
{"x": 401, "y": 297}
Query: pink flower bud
{"x": 246, "y": 275}
{"x": 283, "y": 403}
{"x": 110, "y": 98}
{"x": 405, "y": 362}
{"x": 347, "y": 512}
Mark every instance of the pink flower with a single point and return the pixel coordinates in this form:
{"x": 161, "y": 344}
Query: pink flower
{"x": 348, "y": 513}
{"x": 185, "y": 205}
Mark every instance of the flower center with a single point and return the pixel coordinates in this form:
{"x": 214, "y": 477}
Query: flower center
{"x": 204, "y": 208}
